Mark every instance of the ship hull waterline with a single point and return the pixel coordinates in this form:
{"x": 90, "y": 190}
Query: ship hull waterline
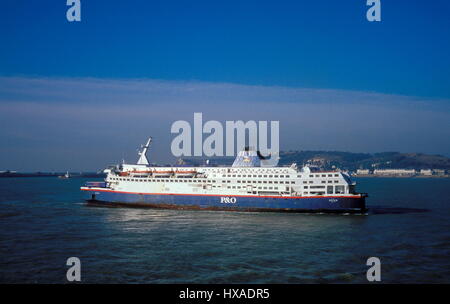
{"x": 256, "y": 203}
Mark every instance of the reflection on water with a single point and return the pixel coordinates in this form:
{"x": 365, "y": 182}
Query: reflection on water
{"x": 408, "y": 229}
{"x": 241, "y": 222}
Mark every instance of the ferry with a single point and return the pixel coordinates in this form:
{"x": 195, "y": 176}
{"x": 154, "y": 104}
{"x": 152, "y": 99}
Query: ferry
{"x": 247, "y": 185}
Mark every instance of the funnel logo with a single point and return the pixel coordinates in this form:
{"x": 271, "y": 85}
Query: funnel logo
{"x": 214, "y": 143}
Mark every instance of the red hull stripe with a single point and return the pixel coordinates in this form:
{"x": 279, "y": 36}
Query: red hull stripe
{"x": 268, "y": 196}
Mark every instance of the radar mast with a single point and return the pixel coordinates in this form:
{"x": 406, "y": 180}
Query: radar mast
{"x": 142, "y": 153}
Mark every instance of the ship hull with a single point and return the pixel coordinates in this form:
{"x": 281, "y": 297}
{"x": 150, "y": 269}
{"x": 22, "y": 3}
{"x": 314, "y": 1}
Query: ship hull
{"x": 331, "y": 204}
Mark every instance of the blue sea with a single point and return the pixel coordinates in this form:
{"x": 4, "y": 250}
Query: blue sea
{"x": 44, "y": 221}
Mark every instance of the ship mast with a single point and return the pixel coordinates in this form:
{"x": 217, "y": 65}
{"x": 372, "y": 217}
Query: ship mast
{"x": 143, "y": 158}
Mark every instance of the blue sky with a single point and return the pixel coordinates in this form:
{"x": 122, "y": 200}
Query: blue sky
{"x": 252, "y": 47}
{"x": 320, "y": 44}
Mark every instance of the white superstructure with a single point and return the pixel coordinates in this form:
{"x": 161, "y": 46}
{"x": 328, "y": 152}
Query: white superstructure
{"x": 241, "y": 179}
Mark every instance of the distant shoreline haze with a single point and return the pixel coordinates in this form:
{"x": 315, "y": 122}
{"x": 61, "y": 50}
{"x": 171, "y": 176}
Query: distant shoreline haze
{"x": 323, "y": 159}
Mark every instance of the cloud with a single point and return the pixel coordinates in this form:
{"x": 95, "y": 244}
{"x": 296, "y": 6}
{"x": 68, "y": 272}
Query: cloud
{"x": 86, "y": 123}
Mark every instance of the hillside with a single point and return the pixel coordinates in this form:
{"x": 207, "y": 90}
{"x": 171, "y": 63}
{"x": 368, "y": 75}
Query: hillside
{"x": 347, "y": 160}
{"x": 353, "y": 161}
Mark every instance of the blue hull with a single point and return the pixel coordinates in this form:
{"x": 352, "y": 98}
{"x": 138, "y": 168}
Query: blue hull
{"x": 352, "y": 203}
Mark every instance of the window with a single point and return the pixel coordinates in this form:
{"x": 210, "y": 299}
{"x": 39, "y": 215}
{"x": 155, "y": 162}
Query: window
{"x": 329, "y": 189}
{"x": 339, "y": 189}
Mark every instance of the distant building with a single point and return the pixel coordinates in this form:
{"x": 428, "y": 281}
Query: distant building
{"x": 426, "y": 172}
{"x": 362, "y": 171}
{"x": 439, "y": 172}
{"x": 394, "y": 172}
{"x": 317, "y": 161}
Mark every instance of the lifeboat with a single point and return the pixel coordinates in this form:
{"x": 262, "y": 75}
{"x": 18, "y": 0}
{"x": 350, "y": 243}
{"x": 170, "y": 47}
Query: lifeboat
{"x": 162, "y": 173}
{"x": 186, "y": 173}
{"x": 142, "y": 172}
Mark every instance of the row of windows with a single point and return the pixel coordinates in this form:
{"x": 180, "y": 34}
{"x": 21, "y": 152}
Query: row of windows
{"x": 203, "y": 181}
{"x": 265, "y": 188}
{"x": 272, "y": 175}
{"x": 324, "y": 175}
{"x": 261, "y": 182}
{"x": 323, "y": 182}
{"x": 339, "y": 189}
{"x": 256, "y": 175}
{"x": 213, "y": 181}
{"x": 173, "y": 180}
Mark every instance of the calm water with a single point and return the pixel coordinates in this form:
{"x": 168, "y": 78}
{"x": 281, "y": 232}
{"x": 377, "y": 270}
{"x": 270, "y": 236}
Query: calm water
{"x": 43, "y": 221}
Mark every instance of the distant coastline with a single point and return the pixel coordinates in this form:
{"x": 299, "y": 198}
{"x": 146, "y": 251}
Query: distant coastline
{"x": 400, "y": 176}
{"x": 385, "y": 164}
{"x": 51, "y": 174}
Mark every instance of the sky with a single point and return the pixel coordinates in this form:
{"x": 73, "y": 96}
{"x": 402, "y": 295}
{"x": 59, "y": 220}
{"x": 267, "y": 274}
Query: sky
{"x": 83, "y": 95}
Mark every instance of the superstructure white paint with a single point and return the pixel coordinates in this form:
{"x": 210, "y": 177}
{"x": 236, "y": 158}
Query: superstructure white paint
{"x": 227, "y": 181}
